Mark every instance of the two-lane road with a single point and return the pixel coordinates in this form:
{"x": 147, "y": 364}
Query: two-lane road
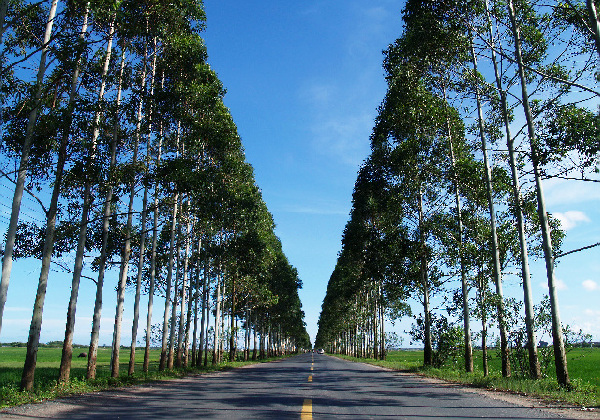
{"x": 303, "y": 387}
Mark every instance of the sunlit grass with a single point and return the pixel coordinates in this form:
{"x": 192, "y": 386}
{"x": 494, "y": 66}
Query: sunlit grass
{"x": 48, "y": 363}
{"x": 583, "y": 365}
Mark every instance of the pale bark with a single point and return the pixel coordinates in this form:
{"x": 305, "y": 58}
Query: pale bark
{"x": 560, "y": 356}
{"x": 497, "y": 270}
{"x": 196, "y": 288}
{"x": 233, "y": 332}
{"x": 593, "y": 16}
{"x": 468, "y": 352}
{"x": 154, "y": 242}
{"x": 427, "y": 342}
{"x": 95, "y": 334}
{"x": 204, "y": 322}
{"x": 216, "y": 341}
{"x": 534, "y": 365}
{"x": 126, "y": 251}
{"x": 22, "y": 171}
{"x": 181, "y": 348}
{"x": 165, "y": 330}
{"x": 141, "y": 261}
{"x": 36, "y": 319}
{"x": 67, "y": 351}
{"x": 173, "y": 326}
{"x": 247, "y": 335}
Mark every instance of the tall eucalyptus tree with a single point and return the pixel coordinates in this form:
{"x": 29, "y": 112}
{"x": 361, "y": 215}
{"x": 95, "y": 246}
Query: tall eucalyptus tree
{"x": 34, "y": 108}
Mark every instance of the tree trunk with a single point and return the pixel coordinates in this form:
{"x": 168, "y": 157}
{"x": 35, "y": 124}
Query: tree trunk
{"x": 217, "y": 339}
{"x": 534, "y": 365}
{"x": 468, "y": 352}
{"x": 486, "y": 371}
{"x": 138, "y": 283}
{"x": 173, "y": 327}
{"x": 152, "y": 267}
{"x": 497, "y": 270}
{"x": 382, "y": 352}
{"x": 181, "y": 348}
{"x": 204, "y": 320}
{"x": 428, "y": 348}
{"x": 154, "y": 237}
{"x": 195, "y": 357}
{"x": 36, "y": 319}
{"x": 126, "y": 251}
{"x": 165, "y": 329}
{"x": 560, "y": 356}
{"x": 67, "y": 351}
{"x": 593, "y": 16}
{"x": 254, "y": 349}
{"x": 186, "y": 341}
{"x": 22, "y": 172}
{"x": 87, "y": 202}
{"x": 233, "y": 335}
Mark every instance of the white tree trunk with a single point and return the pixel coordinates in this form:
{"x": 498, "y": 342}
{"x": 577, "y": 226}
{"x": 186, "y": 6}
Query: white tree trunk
{"x": 126, "y": 251}
{"x": 534, "y": 365}
{"x": 22, "y": 171}
{"x": 560, "y": 356}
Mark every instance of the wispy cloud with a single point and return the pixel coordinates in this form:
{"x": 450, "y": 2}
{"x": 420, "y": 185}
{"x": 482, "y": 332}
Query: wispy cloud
{"x": 588, "y": 321}
{"x": 570, "y": 219}
{"x": 560, "y": 191}
{"x": 590, "y": 285}
{"x": 344, "y": 137}
{"x": 17, "y": 309}
{"x": 317, "y": 206}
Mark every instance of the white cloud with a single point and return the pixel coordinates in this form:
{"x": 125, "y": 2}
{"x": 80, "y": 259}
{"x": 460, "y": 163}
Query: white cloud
{"x": 319, "y": 94}
{"x": 570, "y": 219}
{"x": 590, "y": 285}
{"x": 318, "y": 206}
{"x": 16, "y": 309}
{"x": 589, "y": 323}
{"x": 344, "y": 137}
{"x": 560, "y": 285}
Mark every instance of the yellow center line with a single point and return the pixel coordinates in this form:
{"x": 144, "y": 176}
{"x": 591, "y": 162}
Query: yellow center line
{"x": 309, "y": 378}
{"x": 306, "y": 413}
{"x": 311, "y": 368}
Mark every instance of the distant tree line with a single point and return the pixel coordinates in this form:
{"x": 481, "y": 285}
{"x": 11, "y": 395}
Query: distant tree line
{"x": 485, "y": 101}
{"x": 114, "y": 123}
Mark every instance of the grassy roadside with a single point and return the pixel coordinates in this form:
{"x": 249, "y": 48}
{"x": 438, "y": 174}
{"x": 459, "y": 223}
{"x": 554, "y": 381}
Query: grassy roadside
{"x": 585, "y": 390}
{"x": 46, "y": 388}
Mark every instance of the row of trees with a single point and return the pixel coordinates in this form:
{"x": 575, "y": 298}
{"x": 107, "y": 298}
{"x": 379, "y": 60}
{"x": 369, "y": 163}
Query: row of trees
{"x": 432, "y": 215}
{"x": 119, "y": 131}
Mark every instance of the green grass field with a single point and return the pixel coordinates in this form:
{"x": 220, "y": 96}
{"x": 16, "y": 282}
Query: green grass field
{"x": 583, "y": 365}
{"x": 48, "y": 363}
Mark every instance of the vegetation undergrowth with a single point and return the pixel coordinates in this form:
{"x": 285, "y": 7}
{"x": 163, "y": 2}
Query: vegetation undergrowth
{"x": 584, "y": 390}
{"x": 46, "y": 387}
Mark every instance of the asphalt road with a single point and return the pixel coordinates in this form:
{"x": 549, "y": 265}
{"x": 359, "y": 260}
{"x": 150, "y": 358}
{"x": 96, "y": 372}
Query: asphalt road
{"x": 303, "y": 387}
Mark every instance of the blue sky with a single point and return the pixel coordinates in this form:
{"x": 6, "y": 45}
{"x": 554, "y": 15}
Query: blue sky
{"x": 304, "y": 81}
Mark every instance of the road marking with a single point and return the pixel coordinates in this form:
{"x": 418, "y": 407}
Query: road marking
{"x": 309, "y": 378}
{"x": 311, "y": 368}
{"x": 306, "y": 413}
